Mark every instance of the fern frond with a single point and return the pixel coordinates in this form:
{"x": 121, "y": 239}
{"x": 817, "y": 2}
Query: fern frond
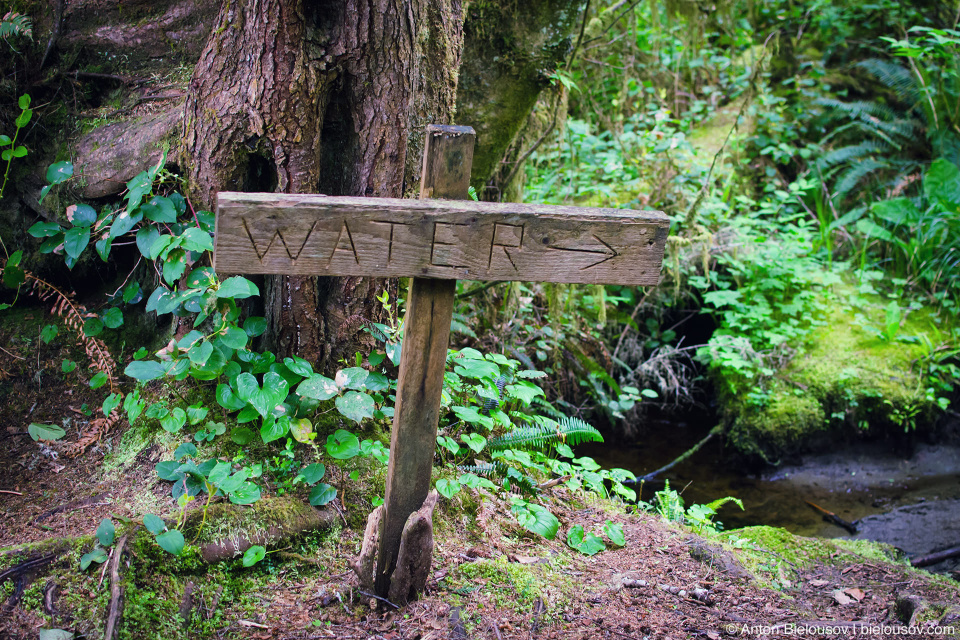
{"x": 896, "y": 78}
{"x": 571, "y": 431}
{"x": 858, "y": 172}
{"x": 858, "y": 109}
{"x": 460, "y": 324}
{"x": 850, "y": 152}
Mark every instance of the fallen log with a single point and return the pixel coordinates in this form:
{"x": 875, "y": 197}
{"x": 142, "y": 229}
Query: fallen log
{"x": 935, "y": 557}
{"x": 831, "y": 517}
{"x": 686, "y": 454}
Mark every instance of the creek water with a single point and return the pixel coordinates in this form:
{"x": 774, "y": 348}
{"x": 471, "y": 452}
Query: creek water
{"x": 910, "y": 499}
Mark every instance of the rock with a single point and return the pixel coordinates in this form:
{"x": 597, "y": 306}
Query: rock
{"x": 110, "y": 156}
{"x": 909, "y": 607}
{"x": 715, "y": 556}
{"x": 951, "y": 616}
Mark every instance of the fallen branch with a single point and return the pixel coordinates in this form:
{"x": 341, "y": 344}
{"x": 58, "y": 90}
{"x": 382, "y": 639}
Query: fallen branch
{"x": 830, "y": 516}
{"x": 686, "y": 454}
{"x": 934, "y": 558}
{"x": 115, "y": 610}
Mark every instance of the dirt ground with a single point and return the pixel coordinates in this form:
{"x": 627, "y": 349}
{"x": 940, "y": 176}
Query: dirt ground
{"x": 490, "y": 579}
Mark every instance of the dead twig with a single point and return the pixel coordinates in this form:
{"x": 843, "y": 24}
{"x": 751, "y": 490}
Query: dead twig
{"x": 115, "y": 610}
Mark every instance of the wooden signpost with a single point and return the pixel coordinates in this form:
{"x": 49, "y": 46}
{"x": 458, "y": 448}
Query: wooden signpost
{"x": 436, "y": 241}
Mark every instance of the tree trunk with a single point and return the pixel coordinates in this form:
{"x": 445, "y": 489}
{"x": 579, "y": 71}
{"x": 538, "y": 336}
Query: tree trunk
{"x": 320, "y": 97}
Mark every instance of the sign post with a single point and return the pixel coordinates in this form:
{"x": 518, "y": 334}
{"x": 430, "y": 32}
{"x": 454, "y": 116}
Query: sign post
{"x": 436, "y": 241}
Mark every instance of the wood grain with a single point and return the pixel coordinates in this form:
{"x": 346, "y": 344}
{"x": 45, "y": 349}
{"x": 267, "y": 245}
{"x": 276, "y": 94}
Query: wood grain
{"x": 413, "y": 440}
{"x": 385, "y": 237}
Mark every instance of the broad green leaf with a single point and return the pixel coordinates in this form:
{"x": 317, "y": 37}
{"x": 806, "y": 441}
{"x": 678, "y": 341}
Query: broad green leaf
{"x": 160, "y": 209}
{"x": 174, "y": 420}
{"x": 76, "y": 240}
{"x": 474, "y": 440}
{"x": 67, "y": 366}
{"x": 237, "y": 287}
{"x": 585, "y": 543}
{"x": 322, "y": 494}
{"x": 343, "y": 445}
{"x": 97, "y": 555}
{"x": 195, "y": 239}
{"x": 184, "y": 450}
{"x": 313, "y": 473}
{"x": 45, "y": 431}
{"x": 253, "y": 555}
{"x": 474, "y": 481}
{"x": 112, "y": 318}
{"x": 274, "y": 429}
{"x": 58, "y": 172}
{"x": 146, "y": 237}
{"x": 242, "y": 435}
{"x": 943, "y": 182}
{"x": 614, "y": 531}
{"x": 227, "y": 399}
{"x": 196, "y": 413}
{"x": 352, "y": 378}
{"x": 234, "y": 337}
{"x": 106, "y": 532}
{"x": 44, "y": 229}
{"x": 301, "y": 430}
{"x": 235, "y": 482}
{"x": 168, "y": 470}
{"x": 376, "y": 381}
{"x": 219, "y": 473}
{"x": 124, "y": 222}
{"x": 535, "y": 518}
{"x": 110, "y": 403}
{"x": 477, "y": 369}
{"x": 144, "y": 370}
{"x": 318, "y": 387}
{"x": 48, "y": 333}
{"x": 98, "y": 380}
{"x": 246, "y": 493}
{"x": 299, "y": 366}
{"x": 524, "y": 391}
{"x": 200, "y": 353}
{"x": 355, "y": 405}
{"x": 81, "y": 215}
{"x": 448, "y": 488}
{"x": 154, "y": 524}
{"x": 449, "y": 444}
{"x": 172, "y": 542}
{"x": 255, "y": 326}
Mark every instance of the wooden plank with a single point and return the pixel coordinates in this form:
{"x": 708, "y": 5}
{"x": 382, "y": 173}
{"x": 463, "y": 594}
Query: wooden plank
{"x": 327, "y": 235}
{"x": 447, "y": 157}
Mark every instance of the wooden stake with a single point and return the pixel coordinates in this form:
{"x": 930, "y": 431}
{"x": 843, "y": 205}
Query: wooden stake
{"x": 447, "y": 160}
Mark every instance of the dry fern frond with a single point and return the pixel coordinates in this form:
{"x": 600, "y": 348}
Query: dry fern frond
{"x": 73, "y": 315}
{"x": 94, "y": 432}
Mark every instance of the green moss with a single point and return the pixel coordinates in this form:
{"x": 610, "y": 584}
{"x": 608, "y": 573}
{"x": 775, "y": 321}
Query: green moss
{"x": 844, "y": 381}
{"x": 514, "y": 586}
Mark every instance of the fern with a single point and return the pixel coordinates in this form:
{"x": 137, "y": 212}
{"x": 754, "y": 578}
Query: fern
{"x": 15, "y": 24}
{"x": 571, "y": 431}
{"x": 894, "y": 77}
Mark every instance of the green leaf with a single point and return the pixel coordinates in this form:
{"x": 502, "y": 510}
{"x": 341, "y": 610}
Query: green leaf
{"x": 474, "y": 440}
{"x": 535, "y": 518}
{"x": 448, "y": 488}
{"x": 376, "y": 382}
{"x": 299, "y": 366}
{"x": 160, "y": 209}
{"x": 585, "y": 543}
{"x": 174, "y": 265}
{"x": 237, "y": 287}
{"x": 98, "y": 380}
{"x": 219, "y": 473}
{"x": 146, "y": 237}
{"x": 477, "y": 369}
{"x": 110, "y": 403}
{"x": 81, "y": 215}
{"x": 318, "y": 387}
{"x": 45, "y": 431}
{"x": 355, "y": 406}
{"x": 614, "y": 531}
{"x": 59, "y": 172}
{"x": 133, "y": 405}
{"x": 313, "y": 473}
{"x": 172, "y": 542}
{"x": 255, "y": 326}
{"x": 76, "y": 240}
{"x": 524, "y": 391}
{"x": 56, "y": 634}
{"x": 195, "y": 239}
{"x": 97, "y": 555}
{"x": 246, "y": 493}
{"x": 44, "y": 229}
{"x": 48, "y": 333}
{"x": 168, "y": 470}
{"x": 124, "y": 222}
{"x": 274, "y": 429}
{"x": 943, "y": 182}
{"x": 184, "y": 450}
{"x": 144, "y": 370}
{"x": 342, "y": 445}
{"x": 196, "y": 413}
{"x": 67, "y": 366}
{"x": 227, "y": 399}
{"x": 301, "y": 430}
{"x": 174, "y": 420}
{"x": 154, "y": 524}
{"x": 253, "y": 555}
{"x": 242, "y": 435}
{"x": 352, "y": 378}
{"x": 106, "y": 532}
{"x": 112, "y": 318}
{"x": 92, "y": 327}
{"x": 200, "y": 353}
{"x": 322, "y": 494}
{"x": 235, "y": 338}
{"x": 871, "y": 229}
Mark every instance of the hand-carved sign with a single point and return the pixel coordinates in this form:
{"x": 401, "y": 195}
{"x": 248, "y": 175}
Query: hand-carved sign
{"x": 325, "y": 235}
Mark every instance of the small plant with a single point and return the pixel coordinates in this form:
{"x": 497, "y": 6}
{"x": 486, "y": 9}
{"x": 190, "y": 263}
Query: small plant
{"x": 15, "y": 150}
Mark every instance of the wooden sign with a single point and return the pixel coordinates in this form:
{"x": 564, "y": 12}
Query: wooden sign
{"x": 436, "y": 242}
{"x": 384, "y": 237}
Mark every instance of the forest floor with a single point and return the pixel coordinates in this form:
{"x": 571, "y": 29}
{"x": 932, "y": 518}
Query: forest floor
{"x": 490, "y": 578}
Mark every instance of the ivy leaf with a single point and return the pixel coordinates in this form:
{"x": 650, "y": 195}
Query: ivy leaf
{"x": 343, "y": 445}
{"x": 322, "y": 494}
{"x": 106, "y": 532}
{"x": 174, "y": 420}
{"x": 614, "y": 531}
{"x": 313, "y": 473}
{"x": 475, "y": 441}
{"x": 237, "y": 287}
{"x": 318, "y": 387}
{"x": 48, "y": 333}
{"x": 154, "y": 524}
{"x": 448, "y": 488}
{"x": 355, "y": 406}
{"x": 275, "y": 428}
{"x": 253, "y": 555}
{"x": 172, "y": 542}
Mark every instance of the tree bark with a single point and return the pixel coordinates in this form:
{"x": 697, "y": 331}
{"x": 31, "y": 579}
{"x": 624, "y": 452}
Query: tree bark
{"x": 320, "y": 97}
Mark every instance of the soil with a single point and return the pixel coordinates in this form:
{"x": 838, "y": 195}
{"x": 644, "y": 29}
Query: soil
{"x": 490, "y": 578}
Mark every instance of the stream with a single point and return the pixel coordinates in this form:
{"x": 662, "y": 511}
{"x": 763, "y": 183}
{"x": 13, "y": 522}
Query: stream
{"x": 908, "y": 499}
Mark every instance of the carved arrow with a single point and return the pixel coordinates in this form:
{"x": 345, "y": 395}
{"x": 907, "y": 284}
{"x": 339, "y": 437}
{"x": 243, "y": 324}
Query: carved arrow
{"x": 606, "y": 250}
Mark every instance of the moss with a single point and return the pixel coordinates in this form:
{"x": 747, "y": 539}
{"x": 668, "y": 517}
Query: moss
{"x": 514, "y": 586}
{"x": 845, "y": 381}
